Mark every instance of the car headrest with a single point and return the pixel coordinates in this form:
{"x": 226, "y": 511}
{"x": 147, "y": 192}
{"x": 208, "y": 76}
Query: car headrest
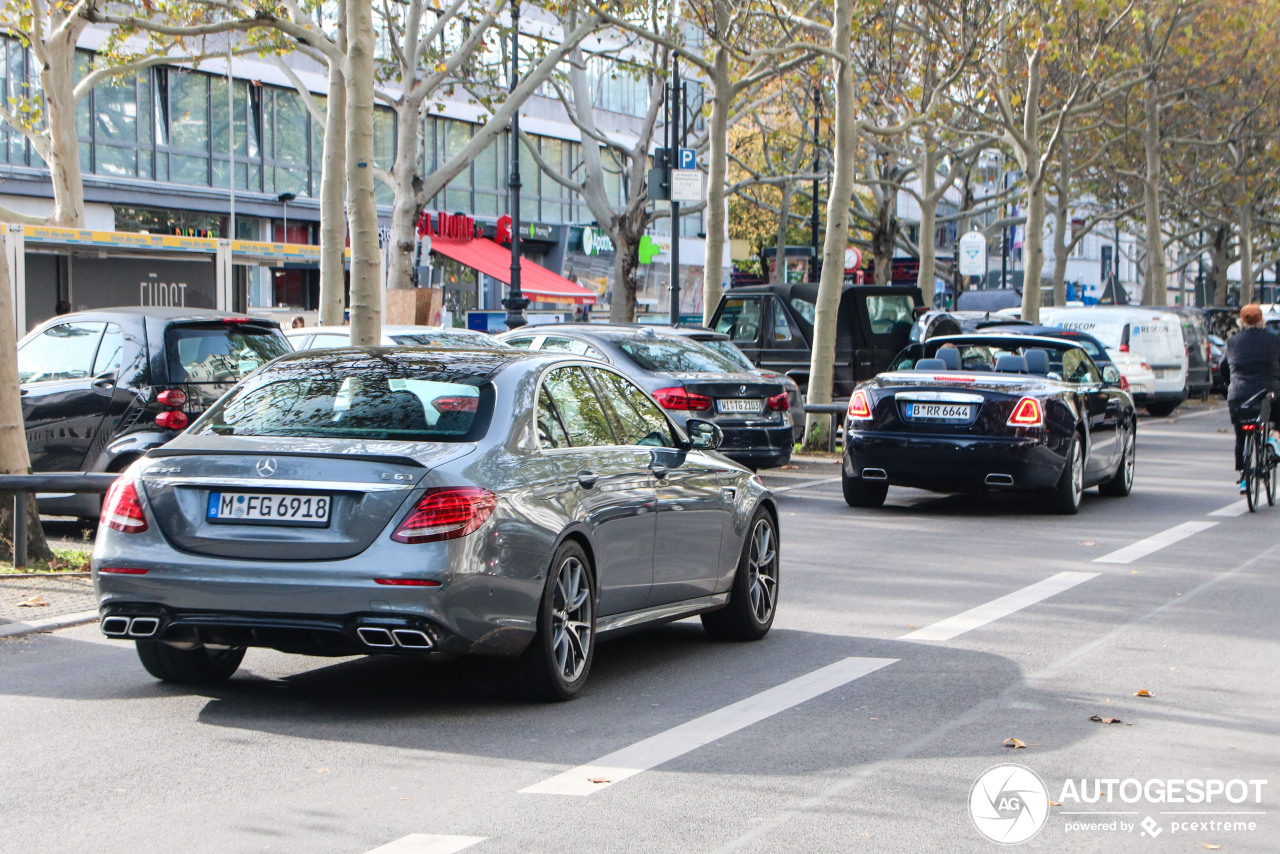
{"x": 950, "y": 357}
{"x": 1037, "y": 361}
{"x": 931, "y": 365}
{"x": 1011, "y": 365}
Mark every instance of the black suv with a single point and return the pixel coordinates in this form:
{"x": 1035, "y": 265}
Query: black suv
{"x": 100, "y": 388}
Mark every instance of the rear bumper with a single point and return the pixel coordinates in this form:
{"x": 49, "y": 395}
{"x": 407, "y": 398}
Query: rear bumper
{"x": 952, "y": 464}
{"x": 762, "y": 447}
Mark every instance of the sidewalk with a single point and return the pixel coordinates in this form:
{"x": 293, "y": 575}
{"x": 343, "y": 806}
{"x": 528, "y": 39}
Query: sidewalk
{"x": 44, "y": 602}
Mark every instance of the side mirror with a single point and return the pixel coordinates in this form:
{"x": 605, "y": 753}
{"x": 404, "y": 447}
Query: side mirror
{"x": 703, "y": 435}
{"x": 1111, "y": 375}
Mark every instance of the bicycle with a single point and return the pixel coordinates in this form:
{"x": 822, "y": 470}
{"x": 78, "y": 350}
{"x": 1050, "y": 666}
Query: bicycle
{"x": 1259, "y": 463}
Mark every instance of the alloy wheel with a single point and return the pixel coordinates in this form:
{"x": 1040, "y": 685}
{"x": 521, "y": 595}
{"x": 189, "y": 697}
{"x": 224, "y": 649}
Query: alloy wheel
{"x": 1077, "y": 472}
{"x": 571, "y": 619}
{"x": 762, "y": 568}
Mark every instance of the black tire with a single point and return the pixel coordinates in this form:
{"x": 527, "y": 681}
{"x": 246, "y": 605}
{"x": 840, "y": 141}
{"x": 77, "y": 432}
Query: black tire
{"x": 1252, "y": 477}
{"x": 1121, "y": 483}
{"x": 1161, "y": 410}
{"x": 1270, "y": 480}
{"x": 859, "y": 492}
{"x": 556, "y": 664}
{"x": 753, "y": 599}
{"x": 189, "y": 666}
{"x": 1064, "y": 498}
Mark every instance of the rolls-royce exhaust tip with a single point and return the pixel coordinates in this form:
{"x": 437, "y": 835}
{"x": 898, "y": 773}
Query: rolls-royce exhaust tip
{"x": 999, "y": 480}
{"x": 874, "y": 474}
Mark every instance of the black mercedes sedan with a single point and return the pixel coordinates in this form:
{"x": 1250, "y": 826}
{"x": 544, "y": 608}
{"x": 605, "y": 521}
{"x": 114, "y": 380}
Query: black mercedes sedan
{"x": 992, "y": 412}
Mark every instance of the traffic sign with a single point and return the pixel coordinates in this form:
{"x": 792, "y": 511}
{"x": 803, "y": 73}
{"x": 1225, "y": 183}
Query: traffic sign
{"x": 973, "y": 254}
{"x": 686, "y": 184}
{"x": 688, "y": 159}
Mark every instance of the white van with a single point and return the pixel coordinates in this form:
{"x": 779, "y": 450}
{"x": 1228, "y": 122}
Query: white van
{"x": 1153, "y": 334}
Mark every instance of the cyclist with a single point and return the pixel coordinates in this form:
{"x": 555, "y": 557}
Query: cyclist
{"x": 1251, "y": 363}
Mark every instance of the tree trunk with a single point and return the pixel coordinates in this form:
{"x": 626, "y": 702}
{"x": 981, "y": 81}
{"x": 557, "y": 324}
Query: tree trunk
{"x": 927, "y": 277}
{"x": 366, "y": 290}
{"x": 625, "y": 264}
{"x": 884, "y": 239}
{"x": 333, "y": 215}
{"x": 717, "y": 166}
{"x": 1156, "y": 287}
{"x": 1061, "y": 223}
{"x": 57, "y": 79}
{"x": 1246, "y": 251}
{"x": 780, "y": 237}
{"x": 404, "y": 208}
{"x": 14, "y": 458}
{"x": 831, "y": 284}
{"x": 1220, "y": 262}
{"x": 1033, "y": 252}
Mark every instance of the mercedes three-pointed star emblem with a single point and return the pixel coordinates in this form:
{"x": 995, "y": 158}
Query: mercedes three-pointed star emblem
{"x": 266, "y": 467}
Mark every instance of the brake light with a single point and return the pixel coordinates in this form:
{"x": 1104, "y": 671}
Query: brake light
{"x": 172, "y": 419}
{"x": 680, "y": 398}
{"x": 780, "y": 402}
{"x": 1124, "y": 348}
{"x": 122, "y": 570}
{"x": 237, "y": 320}
{"x": 121, "y": 509}
{"x": 459, "y": 403}
{"x": 954, "y": 379}
{"x": 445, "y": 513}
{"x": 1248, "y": 426}
{"x": 860, "y": 406}
{"x": 1028, "y": 413}
{"x": 407, "y": 582}
{"x": 173, "y": 397}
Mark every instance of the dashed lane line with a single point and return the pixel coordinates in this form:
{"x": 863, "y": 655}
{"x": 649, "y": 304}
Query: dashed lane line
{"x": 1155, "y": 542}
{"x": 952, "y": 627}
{"x": 428, "y": 843}
{"x": 643, "y": 755}
{"x": 805, "y": 485}
{"x": 1235, "y": 508}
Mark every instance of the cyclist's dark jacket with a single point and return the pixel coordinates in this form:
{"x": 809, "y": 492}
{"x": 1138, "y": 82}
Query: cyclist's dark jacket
{"x": 1251, "y": 361}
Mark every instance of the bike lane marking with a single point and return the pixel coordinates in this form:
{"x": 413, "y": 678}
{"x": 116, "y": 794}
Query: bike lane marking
{"x": 951, "y": 627}
{"x": 1235, "y": 508}
{"x": 643, "y": 755}
{"x": 428, "y": 843}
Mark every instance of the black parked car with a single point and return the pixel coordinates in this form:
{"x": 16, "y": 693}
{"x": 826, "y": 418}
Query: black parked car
{"x": 688, "y": 380}
{"x": 101, "y": 388}
{"x": 992, "y": 411}
{"x": 773, "y": 326}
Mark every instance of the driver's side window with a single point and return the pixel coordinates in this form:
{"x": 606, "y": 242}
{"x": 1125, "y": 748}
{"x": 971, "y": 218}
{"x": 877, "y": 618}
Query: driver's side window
{"x": 1077, "y": 368}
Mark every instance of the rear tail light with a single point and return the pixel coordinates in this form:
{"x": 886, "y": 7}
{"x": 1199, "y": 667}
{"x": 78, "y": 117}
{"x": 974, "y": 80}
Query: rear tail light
{"x": 459, "y": 403}
{"x": 1248, "y": 426}
{"x": 1028, "y": 413}
{"x": 445, "y": 513}
{"x": 122, "y": 570}
{"x": 121, "y": 510}
{"x": 680, "y": 398}
{"x": 859, "y": 406}
{"x": 780, "y": 402}
{"x": 1124, "y": 348}
{"x": 172, "y": 419}
{"x": 174, "y": 398}
{"x": 1124, "y": 383}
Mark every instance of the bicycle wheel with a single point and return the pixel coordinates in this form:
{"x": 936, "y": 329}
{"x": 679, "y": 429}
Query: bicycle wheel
{"x": 1252, "y": 477}
{"x": 1269, "y": 474}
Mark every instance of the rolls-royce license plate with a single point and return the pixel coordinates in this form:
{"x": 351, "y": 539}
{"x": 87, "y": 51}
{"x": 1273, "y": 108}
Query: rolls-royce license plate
{"x": 952, "y": 412}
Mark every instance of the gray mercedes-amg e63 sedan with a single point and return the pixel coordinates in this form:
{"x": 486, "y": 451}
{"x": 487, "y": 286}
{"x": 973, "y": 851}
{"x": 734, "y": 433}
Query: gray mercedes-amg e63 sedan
{"x": 368, "y": 500}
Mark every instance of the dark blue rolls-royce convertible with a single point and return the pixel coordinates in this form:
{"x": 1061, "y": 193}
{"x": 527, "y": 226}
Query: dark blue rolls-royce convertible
{"x": 992, "y": 412}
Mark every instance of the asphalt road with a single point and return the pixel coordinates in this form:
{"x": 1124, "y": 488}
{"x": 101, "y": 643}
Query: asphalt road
{"x": 912, "y": 641}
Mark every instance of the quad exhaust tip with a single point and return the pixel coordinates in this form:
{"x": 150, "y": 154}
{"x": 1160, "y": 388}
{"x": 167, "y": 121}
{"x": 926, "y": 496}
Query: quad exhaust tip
{"x": 376, "y": 637}
{"x": 874, "y": 474}
{"x": 143, "y": 627}
{"x": 412, "y": 639}
{"x": 115, "y": 626}
{"x": 999, "y": 480}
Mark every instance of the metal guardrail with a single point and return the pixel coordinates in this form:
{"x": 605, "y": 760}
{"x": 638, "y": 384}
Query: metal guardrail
{"x": 22, "y": 484}
{"x": 835, "y": 410}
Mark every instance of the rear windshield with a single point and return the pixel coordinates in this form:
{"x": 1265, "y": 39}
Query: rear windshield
{"x": 730, "y": 351}
{"x": 220, "y": 352}
{"x": 674, "y": 355}
{"x": 460, "y": 339}
{"x": 377, "y": 402}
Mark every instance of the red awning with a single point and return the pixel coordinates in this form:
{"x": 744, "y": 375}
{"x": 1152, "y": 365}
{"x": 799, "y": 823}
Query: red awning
{"x": 489, "y": 258}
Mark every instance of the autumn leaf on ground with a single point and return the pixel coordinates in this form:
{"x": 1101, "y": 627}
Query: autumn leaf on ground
{"x": 1211, "y": 846}
{"x": 1086, "y": 543}
{"x": 1054, "y": 804}
{"x": 34, "y": 602}
{"x": 1100, "y": 720}
{"x": 599, "y": 780}
{"x": 1013, "y": 742}
{"x": 1143, "y": 692}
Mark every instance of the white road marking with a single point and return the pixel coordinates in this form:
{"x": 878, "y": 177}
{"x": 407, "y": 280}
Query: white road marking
{"x": 49, "y": 624}
{"x": 1155, "y": 543}
{"x": 1004, "y": 606}
{"x": 428, "y": 843}
{"x": 1235, "y": 508}
{"x": 805, "y": 485}
{"x": 677, "y": 741}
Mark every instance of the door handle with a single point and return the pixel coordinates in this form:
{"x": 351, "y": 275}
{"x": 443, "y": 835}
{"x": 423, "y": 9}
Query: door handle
{"x": 587, "y": 479}
{"x": 659, "y": 471}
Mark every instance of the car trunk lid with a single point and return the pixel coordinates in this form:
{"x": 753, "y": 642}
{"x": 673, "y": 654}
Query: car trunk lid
{"x": 735, "y": 397}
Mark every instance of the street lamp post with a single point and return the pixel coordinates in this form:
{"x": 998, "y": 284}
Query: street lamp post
{"x": 284, "y": 199}
{"x": 515, "y": 303}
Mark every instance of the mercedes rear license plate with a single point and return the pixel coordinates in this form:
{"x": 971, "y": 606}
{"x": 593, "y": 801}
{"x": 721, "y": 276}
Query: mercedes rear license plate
{"x": 269, "y": 508}
{"x": 939, "y": 411}
{"x": 749, "y": 405}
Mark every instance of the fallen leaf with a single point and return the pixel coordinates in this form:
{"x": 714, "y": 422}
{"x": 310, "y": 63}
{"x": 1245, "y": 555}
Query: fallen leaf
{"x": 1099, "y": 720}
{"x": 322, "y": 770}
{"x": 1142, "y": 692}
{"x": 1013, "y": 742}
{"x": 599, "y": 780}
{"x": 910, "y": 626}
{"x": 1054, "y": 804}
{"x": 1086, "y": 543}
{"x": 34, "y": 602}
{"x": 1210, "y": 845}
